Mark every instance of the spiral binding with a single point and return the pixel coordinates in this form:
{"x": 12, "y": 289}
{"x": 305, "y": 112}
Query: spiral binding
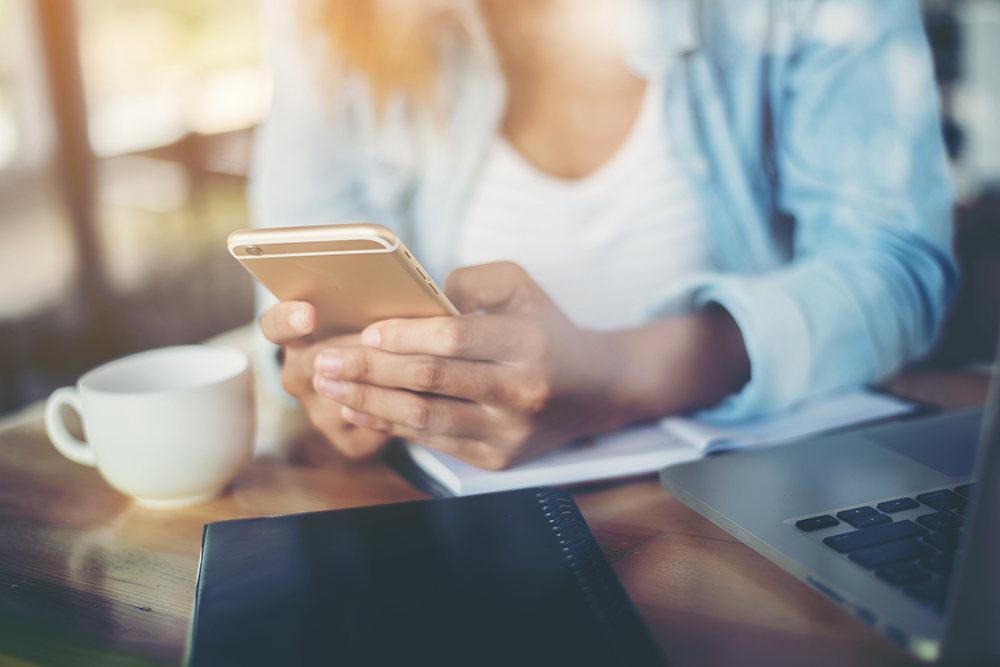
{"x": 583, "y": 554}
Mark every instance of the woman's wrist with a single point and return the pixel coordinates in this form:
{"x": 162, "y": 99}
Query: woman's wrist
{"x": 673, "y": 365}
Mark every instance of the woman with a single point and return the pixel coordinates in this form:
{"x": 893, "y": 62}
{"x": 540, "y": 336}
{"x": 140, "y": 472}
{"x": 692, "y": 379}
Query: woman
{"x": 716, "y": 204}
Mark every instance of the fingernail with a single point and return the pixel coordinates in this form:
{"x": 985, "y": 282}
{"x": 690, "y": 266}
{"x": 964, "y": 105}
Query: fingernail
{"x": 329, "y": 362}
{"x": 298, "y": 320}
{"x": 354, "y": 416}
{"x": 331, "y": 388}
{"x": 371, "y": 337}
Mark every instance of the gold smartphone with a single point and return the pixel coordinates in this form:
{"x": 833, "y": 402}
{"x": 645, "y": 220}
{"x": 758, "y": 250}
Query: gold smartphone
{"x": 354, "y": 275}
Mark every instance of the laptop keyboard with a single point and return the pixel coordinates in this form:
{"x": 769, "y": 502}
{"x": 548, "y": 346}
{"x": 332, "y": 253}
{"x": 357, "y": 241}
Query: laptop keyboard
{"x": 916, "y": 553}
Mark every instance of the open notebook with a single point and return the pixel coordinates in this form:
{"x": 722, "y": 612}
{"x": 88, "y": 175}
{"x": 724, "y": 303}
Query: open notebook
{"x": 647, "y": 448}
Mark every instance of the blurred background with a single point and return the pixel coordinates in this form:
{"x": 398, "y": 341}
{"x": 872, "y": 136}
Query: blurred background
{"x": 125, "y": 131}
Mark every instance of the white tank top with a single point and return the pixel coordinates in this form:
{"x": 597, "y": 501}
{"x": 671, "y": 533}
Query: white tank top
{"x": 601, "y": 245}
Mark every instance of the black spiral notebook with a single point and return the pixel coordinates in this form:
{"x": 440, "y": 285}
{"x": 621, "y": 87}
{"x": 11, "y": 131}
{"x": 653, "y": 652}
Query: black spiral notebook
{"x": 512, "y": 578}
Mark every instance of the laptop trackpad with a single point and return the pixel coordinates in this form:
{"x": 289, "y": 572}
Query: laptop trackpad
{"x": 946, "y": 443}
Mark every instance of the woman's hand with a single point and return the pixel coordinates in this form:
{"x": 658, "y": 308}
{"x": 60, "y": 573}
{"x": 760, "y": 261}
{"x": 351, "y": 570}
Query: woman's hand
{"x": 506, "y": 381}
{"x": 513, "y": 377}
{"x": 291, "y": 324}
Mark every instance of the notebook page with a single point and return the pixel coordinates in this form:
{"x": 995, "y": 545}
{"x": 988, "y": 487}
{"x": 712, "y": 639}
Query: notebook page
{"x": 632, "y": 451}
{"x": 825, "y": 414}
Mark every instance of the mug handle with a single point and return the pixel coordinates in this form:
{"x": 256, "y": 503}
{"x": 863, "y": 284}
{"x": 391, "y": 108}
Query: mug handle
{"x": 55, "y": 427}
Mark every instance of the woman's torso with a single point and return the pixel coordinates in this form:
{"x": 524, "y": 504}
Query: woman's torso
{"x": 581, "y": 188}
{"x": 601, "y": 244}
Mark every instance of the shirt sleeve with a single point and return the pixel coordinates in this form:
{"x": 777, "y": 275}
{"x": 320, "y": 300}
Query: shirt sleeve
{"x": 305, "y": 160}
{"x": 861, "y": 170}
{"x": 318, "y": 158}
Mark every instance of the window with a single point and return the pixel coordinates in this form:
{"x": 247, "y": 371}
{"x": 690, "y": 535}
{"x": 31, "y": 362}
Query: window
{"x": 162, "y": 96}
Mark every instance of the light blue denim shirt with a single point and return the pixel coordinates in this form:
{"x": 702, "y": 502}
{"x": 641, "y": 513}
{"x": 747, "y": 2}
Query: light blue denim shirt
{"x": 809, "y": 128}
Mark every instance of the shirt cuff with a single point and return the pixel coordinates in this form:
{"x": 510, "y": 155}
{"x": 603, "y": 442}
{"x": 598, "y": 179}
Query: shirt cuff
{"x": 775, "y": 333}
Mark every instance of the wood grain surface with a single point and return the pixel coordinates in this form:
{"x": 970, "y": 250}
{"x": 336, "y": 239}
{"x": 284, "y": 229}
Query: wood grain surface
{"x": 89, "y": 578}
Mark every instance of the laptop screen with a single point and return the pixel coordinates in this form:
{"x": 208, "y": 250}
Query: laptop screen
{"x": 974, "y": 617}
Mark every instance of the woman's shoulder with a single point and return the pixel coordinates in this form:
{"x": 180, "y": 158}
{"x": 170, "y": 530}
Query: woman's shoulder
{"x": 776, "y": 28}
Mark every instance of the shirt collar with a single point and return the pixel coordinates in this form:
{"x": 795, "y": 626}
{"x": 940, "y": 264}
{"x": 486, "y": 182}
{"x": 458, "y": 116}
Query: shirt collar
{"x": 657, "y": 31}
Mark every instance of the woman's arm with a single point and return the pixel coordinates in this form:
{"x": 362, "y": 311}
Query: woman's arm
{"x": 678, "y": 364}
{"x": 515, "y": 377}
{"x": 841, "y": 129}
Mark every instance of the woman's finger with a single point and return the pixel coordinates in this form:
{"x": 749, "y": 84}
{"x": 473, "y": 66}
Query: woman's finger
{"x": 429, "y": 414}
{"x": 476, "y": 452}
{"x": 499, "y": 287}
{"x": 288, "y": 322}
{"x": 299, "y": 366}
{"x": 477, "y": 337}
{"x": 480, "y": 381}
{"x": 354, "y": 440}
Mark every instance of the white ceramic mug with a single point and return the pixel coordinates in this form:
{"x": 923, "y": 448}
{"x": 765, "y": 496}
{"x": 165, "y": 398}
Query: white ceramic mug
{"x": 171, "y": 427}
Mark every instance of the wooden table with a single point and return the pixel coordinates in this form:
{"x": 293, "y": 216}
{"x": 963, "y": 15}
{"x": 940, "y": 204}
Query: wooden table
{"x": 88, "y": 578}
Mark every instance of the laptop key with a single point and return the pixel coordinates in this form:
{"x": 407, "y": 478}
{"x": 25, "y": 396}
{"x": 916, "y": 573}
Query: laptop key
{"x": 967, "y": 490}
{"x": 940, "y": 520}
{"x": 898, "y": 505}
{"x": 900, "y": 574}
{"x": 931, "y": 592}
{"x": 850, "y": 515}
{"x": 963, "y": 510}
{"x": 816, "y": 522}
{"x": 941, "y": 500}
{"x": 892, "y": 552}
{"x": 940, "y": 563}
{"x": 873, "y": 520}
{"x": 945, "y": 540}
{"x": 869, "y": 537}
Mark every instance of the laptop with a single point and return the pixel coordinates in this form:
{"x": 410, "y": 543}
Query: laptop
{"x": 897, "y": 523}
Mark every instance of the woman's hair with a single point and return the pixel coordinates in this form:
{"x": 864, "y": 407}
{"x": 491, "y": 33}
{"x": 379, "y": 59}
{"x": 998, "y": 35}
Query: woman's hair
{"x": 391, "y": 43}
